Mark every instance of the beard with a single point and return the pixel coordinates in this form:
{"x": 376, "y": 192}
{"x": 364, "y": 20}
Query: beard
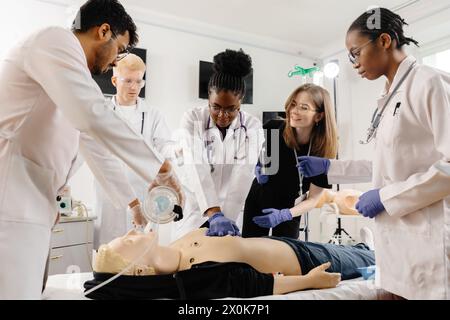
{"x": 101, "y": 63}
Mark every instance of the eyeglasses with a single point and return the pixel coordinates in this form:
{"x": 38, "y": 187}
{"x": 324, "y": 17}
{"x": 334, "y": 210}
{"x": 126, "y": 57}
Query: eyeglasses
{"x": 229, "y": 111}
{"x": 122, "y": 55}
{"x": 353, "y": 55}
{"x": 303, "y": 108}
{"x": 129, "y": 82}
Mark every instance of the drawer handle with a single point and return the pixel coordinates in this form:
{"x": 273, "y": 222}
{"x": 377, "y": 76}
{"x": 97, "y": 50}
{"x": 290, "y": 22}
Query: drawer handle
{"x": 56, "y": 257}
{"x": 58, "y": 231}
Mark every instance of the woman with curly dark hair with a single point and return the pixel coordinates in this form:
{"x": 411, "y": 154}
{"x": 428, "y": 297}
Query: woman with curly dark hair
{"x": 221, "y": 144}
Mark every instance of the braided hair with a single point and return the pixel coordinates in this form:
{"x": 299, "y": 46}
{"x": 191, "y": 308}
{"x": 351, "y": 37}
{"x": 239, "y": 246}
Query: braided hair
{"x": 390, "y": 23}
{"x": 230, "y": 68}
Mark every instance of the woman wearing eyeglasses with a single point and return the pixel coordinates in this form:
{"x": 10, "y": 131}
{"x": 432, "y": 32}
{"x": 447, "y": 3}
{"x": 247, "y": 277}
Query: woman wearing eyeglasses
{"x": 278, "y": 197}
{"x": 221, "y": 145}
{"x": 411, "y": 131}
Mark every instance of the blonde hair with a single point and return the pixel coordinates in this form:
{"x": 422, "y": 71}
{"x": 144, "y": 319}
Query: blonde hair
{"x": 131, "y": 62}
{"x": 109, "y": 261}
{"x": 324, "y": 135}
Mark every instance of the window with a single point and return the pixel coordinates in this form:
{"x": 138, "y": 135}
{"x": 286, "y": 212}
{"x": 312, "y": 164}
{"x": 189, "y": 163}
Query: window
{"x": 439, "y": 60}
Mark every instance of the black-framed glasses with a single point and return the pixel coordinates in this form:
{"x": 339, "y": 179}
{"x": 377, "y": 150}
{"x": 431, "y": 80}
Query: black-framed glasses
{"x": 353, "y": 55}
{"x": 122, "y": 55}
{"x": 226, "y": 111}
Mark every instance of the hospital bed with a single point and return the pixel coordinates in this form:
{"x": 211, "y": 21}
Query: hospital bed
{"x": 70, "y": 287}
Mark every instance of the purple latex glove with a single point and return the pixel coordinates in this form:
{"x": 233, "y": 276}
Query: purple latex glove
{"x": 262, "y": 179}
{"x": 273, "y": 218}
{"x": 220, "y": 226}
{"x": 369, "y": 204}
{"x": 313, "y": 166}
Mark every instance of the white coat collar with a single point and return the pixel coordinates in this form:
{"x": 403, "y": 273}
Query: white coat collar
{"x": 80, "y": 46}
{"x": 141, "y": 104}
{"x": 402, "y": 69}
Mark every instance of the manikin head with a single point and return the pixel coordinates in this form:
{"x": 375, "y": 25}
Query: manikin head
{"x": 115, "y": 256}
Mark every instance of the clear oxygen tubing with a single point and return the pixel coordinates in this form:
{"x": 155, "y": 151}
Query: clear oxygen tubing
{"x": 154, "y": 226}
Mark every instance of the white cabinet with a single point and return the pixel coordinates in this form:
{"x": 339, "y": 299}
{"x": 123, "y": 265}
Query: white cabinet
{"x": 71, "y": 246}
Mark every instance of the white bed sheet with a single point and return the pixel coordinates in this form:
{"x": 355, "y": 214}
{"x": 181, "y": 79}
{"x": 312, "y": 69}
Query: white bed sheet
{"x": 70, "y": 287}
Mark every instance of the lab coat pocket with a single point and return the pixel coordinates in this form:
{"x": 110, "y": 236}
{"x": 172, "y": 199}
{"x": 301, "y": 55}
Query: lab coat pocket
{"x": 418, "y": 222}
{"x": 389, "y": 125}
{"x": 29, "y": 194}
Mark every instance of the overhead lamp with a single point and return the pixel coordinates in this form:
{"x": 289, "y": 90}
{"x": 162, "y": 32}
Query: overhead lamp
{"x": 331, "y": 70}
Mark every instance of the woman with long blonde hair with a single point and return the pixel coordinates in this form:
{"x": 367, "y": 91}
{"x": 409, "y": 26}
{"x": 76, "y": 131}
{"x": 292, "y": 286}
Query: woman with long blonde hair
{"x": 309, "y": 129}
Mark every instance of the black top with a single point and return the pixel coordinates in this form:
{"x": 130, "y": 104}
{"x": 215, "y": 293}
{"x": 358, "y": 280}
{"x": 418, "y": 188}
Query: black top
{"x": 283, "y": 188}
{"x": 208, "y": 280}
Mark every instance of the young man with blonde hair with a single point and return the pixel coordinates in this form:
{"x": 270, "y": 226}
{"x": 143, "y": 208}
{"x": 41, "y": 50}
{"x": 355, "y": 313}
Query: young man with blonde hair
{"x": 128, "y": 78}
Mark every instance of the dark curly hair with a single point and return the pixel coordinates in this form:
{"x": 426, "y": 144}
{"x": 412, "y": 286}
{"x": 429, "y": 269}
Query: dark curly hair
{"x": 390, "y": 23}
{"x": 230, "y": 68}
{"x": 94, "y": 13}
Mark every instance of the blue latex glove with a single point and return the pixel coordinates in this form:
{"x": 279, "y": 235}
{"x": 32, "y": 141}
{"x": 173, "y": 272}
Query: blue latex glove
{"x": 262, "y": 179}
{"x": 273, "y": 218}
{"x": 369, "y": 204}
{"x": 220, "y": 226}
{"x": 313, "y": 166}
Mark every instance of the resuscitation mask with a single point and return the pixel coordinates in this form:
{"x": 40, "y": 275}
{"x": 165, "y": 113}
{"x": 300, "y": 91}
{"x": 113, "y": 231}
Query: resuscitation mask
{"x": 162, "y": 205}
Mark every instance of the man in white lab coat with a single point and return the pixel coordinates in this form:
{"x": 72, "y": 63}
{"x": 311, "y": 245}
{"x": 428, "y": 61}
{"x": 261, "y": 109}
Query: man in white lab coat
{"x": 49, "y": 102}
{"x": 410, "y": 202}
{"x": 147, "y": 121}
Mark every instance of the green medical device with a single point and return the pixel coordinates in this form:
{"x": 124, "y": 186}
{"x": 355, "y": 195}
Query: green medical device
{"x": 299, "y": 71}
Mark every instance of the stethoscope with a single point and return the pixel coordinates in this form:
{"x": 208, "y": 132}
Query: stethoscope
{"x": 377, "y": 116}
{"x": 210, "y": 142}
{"x": 142, "y": 123}
{"x": 300, "y": 175}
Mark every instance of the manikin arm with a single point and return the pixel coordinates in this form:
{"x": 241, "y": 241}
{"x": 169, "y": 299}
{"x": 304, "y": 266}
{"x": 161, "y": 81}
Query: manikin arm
{"x": 317, "y": 278}
{"x": 345, "y": 201}
{"x": 315, "y": 195}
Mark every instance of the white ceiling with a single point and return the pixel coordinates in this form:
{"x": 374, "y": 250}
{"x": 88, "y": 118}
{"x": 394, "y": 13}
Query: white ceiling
{"x": 315, "y": 23}
{"x": 314, "y": 27}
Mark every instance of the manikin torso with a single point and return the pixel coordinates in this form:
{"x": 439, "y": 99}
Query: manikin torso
{"x": 265, "y": 255}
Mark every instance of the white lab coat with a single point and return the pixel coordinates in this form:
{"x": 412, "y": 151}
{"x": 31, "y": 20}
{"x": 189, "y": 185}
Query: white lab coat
{"x": 228, "y": 185}
{"x": 412, "y": 235}
{"x": 47, "y": 98}
{"x": 113, "y": 221}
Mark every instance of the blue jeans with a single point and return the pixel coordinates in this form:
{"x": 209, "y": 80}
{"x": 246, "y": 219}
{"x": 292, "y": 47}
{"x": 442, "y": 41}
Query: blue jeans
{"x": 344, "y": 259}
